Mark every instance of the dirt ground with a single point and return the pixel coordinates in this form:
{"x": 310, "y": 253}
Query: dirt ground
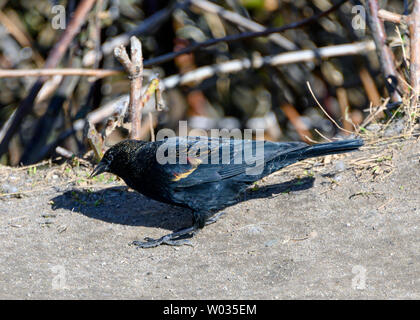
{"x": 337, "y": 227}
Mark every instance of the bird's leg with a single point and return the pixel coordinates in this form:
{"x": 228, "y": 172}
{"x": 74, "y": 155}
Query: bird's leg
{"x": 204, "y": 219}
{"x": 179, "y": 238}
{"x": 214, "y": 218}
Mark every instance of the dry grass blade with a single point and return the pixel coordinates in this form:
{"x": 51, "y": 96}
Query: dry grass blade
{"x": 323, "y": 110}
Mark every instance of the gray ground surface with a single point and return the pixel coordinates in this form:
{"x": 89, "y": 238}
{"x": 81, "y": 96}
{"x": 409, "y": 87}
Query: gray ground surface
{"x": 344, "y": 227}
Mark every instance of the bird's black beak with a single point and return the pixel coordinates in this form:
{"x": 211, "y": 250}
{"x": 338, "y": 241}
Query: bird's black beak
{"x": 100, "y": 168}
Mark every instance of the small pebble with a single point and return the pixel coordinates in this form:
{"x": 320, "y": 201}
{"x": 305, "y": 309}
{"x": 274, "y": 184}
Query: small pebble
{"x": 340, "y": 166}
{"x": 61, "y": 228}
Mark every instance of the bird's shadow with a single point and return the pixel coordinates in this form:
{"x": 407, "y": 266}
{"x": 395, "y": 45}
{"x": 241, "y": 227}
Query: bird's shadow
{"x": 121, "y": 206}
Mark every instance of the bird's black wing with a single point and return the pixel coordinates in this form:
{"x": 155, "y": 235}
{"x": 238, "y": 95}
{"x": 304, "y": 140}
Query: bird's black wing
{"x": 201, "y": 160}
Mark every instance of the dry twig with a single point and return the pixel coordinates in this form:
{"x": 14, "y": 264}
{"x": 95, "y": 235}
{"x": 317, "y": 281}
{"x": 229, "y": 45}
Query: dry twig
{"x": 97, "y": 73}
{"x": 243, "y": 22}
{"x": 323, "y": 110}
{"x": 134, "y": 68}
{"x": 414, "y": 27}
{"x": 385, "y": 54}
{"x": 390, "y": 16}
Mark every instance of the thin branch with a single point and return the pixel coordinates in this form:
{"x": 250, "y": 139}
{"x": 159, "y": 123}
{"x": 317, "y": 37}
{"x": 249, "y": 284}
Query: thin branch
{"x": 242, "y": 36}
{"x": 370, "y": 86}
{"x": 122, "y": 56}
{"x": 343, "y": 101}
{"x": 374, "y": 113}
{"x": 134, "y": 68}
{"x": 385, "y": 54}
{"x": 97, "y": 73}
{"x": 414, "y": 27}
{"x": 241, "y": 21}
{"x": 237, "y": 65}
{"x": 323, "y": 136}
{"x": 323, "y": 110}
{"x": 390, "y": 16}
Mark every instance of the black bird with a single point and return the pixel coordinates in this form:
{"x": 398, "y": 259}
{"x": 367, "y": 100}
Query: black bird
{"x": 203, "y": 174}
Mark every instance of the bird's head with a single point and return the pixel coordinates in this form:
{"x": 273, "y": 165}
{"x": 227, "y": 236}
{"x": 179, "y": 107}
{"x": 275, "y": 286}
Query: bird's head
{"x": 116, "y": 158}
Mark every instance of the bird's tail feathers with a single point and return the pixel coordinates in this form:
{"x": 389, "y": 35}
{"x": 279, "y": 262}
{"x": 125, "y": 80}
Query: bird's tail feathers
{"x": 323, "y": 149}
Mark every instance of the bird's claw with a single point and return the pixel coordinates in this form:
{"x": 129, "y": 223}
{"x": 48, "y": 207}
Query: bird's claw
{"x": 214, "y": 218}
{"x": 169, "y": 240}
{"x": 177, "y": 238}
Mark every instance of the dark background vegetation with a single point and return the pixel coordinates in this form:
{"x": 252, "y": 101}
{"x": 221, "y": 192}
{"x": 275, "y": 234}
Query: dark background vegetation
{"x": 274, "y": 98}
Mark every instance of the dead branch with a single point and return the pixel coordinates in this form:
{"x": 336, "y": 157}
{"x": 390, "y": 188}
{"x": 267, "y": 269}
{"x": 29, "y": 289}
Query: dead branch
{"x": 97, "y": 73}
{"x": 414, "y": 28}
{"x": 370, "y": 86}
{"x": 134, "y": 68}
{"x": 323, "y": 110}
{"x": 241, "y": 21}
{"x": 236, "y": 65}
{"x": 385, "y": 54}
{"x": 390, "y": 16}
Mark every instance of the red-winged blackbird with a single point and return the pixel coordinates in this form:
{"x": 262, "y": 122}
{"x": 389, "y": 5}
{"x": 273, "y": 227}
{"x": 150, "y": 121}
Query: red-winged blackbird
{"x": 203, "y": 174}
